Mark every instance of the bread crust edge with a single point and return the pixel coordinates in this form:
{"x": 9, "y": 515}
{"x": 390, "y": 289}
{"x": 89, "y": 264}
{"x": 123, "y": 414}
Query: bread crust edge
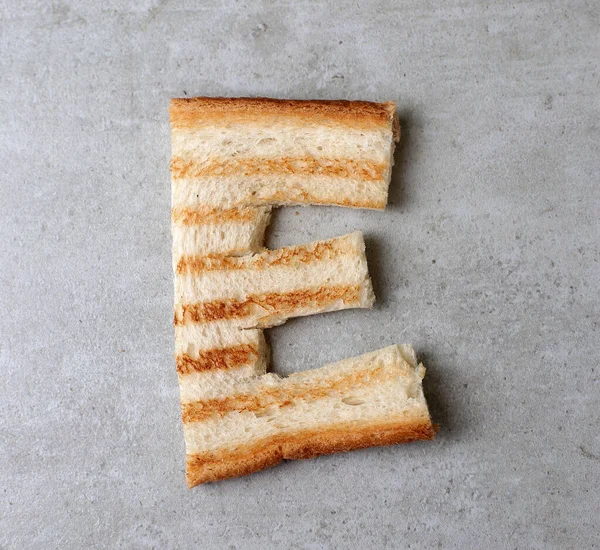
{"x": 188, "y": 112}
{"x": 227, "y": 463}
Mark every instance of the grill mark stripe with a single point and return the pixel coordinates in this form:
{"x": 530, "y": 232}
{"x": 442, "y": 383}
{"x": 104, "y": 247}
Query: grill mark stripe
{"x": 303, "y": 443}
{"x": 206, "y": 216}
{"x": 224, "y": 358}
{"x": 283, "y": 257}
{"x": 283, "y": 304}
{"x": 202, "y": 111}
{"x": 227, "y": 167}
{"x": 286, "y": 395}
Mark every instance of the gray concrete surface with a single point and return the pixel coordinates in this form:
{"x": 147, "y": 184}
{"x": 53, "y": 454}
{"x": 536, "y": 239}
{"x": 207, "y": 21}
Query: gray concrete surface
{"x": 486, "y": 260}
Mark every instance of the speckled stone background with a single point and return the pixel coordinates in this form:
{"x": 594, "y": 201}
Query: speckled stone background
{"x": 487, "y": 260}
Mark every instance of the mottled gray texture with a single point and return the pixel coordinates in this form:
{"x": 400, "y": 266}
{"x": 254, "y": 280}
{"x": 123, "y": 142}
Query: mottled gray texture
{"x": 487, "y": 260}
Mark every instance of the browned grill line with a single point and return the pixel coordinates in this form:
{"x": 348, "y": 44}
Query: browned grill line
{"x": 203, "y": 111}
{"x": 224, "y": 358}
{"x": 281, "y": 303}
{"x": 269, "y": 451}
{"x": 299, "y": 166}
{"x": 290, "y": 256}
{"x": 205, "y": 216}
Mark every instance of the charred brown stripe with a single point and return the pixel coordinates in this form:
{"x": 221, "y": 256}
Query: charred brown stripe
{"x": 287, "y": 256}
{"x": 282, "y": 304}
{"x": 286, "y": 395}
{"x": 225, "y": 358}
{"x": 285, "y": 166}
{"x": 202, "y": 111}
{"x": 245, "y": 459}
{"x": 205, "y": 216}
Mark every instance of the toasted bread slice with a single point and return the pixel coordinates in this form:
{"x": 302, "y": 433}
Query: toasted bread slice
{"x": 217, "y": 298}
{"x": 215, "y": 231}
{"x": 375, "y": 399}
{"x": 233, "y": 159}
{"x": 247, "y": 152}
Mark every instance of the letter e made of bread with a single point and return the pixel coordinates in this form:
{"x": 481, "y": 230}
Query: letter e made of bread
{"x": 233, "y": 160}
